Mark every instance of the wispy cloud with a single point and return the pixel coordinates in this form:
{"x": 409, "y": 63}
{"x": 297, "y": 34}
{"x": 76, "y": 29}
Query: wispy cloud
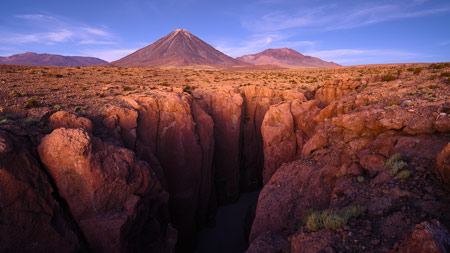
{"x": 50, "y": 30}
{"x": 109, "y": 55}
{"x": 333, "y": 16}
{"x": 258, "y": 43}
{"x": 360, "y": 56}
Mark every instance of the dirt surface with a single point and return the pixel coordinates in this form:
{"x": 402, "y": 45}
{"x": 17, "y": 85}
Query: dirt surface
{"x": 175, "y": 144}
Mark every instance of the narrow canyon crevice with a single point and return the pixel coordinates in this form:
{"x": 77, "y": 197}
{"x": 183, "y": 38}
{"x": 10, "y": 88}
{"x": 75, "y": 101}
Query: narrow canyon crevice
{"x": 160, "y": 171}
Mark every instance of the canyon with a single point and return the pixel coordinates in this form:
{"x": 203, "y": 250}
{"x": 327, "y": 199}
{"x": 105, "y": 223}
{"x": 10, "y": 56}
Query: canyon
{"x": 124, "y": 159}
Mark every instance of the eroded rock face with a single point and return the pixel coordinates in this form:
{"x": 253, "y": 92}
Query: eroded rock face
{"x": 428, "y": 237}
{"x": 268, "y": 242}
{"x": 285, "y": 130}
{"x": 334, "y": 90}
{"x": 115, "y": 198}
{"x": 280, "y": 141}
{"x": 70, "y": 120}
{"x": 174, "y": 131}
{"x": 257, "y": 103}
{"x": 226, "y": 109}
{"x": 293, "y": 189}
{"x": 443, "y": 164}
{"x": 31, "y": 220}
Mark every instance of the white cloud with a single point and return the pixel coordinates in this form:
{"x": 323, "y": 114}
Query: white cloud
{"x": 51, "y": 30}
{"x": 109, "y": 55}
{"x": 333, "y": 17}
{"x": 363, "y": 56}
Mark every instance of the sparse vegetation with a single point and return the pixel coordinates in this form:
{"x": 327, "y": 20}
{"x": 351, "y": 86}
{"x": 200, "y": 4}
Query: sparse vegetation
{"x": 360, "y": 179}
{"x": 126, "y": 88}
{"x": 32, "y": 102}
{"x": 417, "y": 71}
{"x": 31, "y": 122}
{"x": 331, "y": 219}
{"x": 395, "y": 164}
{"x": 388, "y": 78}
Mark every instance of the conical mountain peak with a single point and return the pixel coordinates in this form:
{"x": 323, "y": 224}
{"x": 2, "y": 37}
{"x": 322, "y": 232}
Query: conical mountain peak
{"x": 177, "y": 49}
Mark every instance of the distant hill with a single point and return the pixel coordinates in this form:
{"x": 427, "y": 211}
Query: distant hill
{"x": 179, "y": 48}
{"x": 50, "y": 60}
{"x": 285, "y": 57}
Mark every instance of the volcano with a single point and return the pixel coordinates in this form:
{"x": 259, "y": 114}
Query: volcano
{"x": 287, "y": 58}
{"x": 179, "y": 48}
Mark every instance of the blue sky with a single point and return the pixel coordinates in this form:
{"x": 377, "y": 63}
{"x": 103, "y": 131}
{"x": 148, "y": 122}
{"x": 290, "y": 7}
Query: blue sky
{"x": 348, "y": 32}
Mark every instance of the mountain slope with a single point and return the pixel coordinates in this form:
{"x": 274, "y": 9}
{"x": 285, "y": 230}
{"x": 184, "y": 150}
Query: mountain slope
{"x": 285, "y": 57}
{"x": 178, "y": 48}
{"x": 30, "y": 58}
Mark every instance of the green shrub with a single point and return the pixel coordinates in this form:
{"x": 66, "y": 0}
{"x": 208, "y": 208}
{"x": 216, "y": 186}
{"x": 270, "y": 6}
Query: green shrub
{"x": 126, "y": 88}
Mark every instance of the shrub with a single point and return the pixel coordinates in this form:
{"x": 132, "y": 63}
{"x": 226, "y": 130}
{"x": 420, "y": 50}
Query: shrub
{"x": 31, "y": 122}
{"x": 394, "y": 102}
{"x": 445, "y": 74}
{"x": 360, "y": 179}
{"x": 404, "y": 174}
{"x": 57, "y": 107}
{"x": 387, "y": 78}
{"x": 314, "y": 221}
{"x": 83, "y": 88}
{"x": 439, "y": 65}
{"x": 126, "y": 88}
{"x": 32, "y": 102}
{"x": 395, "y": 164}
{"x": 417, "y": 71}
{"x": 331, "y": 219}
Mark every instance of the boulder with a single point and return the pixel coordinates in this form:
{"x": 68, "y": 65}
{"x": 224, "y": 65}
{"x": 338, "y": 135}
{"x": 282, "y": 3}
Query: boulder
{"x": 293, "y": 189}
{"x": 280, "y": 141}
{"x": 115, "y": 198}
{"x": 268, "y": 242}
{"x": 31, "y": 219}
{"x": 428, "y": 236}
{"x": 70, "y": 120}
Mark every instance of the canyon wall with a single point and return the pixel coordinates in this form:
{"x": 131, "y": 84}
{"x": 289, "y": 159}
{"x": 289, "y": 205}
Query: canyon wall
{"x": 152, "y": 168}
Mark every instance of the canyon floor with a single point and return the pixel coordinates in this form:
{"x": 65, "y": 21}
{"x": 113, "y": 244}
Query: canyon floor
{"x": 117, "y": 159}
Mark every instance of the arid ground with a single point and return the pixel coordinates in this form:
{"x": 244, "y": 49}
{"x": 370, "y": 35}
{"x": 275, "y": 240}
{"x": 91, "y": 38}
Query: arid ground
{"x": 108, "y": 159}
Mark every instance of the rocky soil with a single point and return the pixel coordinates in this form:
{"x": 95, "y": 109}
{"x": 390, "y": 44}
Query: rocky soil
{"x": 111, "y": 159}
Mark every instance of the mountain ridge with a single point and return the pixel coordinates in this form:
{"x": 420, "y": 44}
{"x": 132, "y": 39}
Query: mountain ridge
{"x": 35, "y": 59}
{"x": 285, "y": 57}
